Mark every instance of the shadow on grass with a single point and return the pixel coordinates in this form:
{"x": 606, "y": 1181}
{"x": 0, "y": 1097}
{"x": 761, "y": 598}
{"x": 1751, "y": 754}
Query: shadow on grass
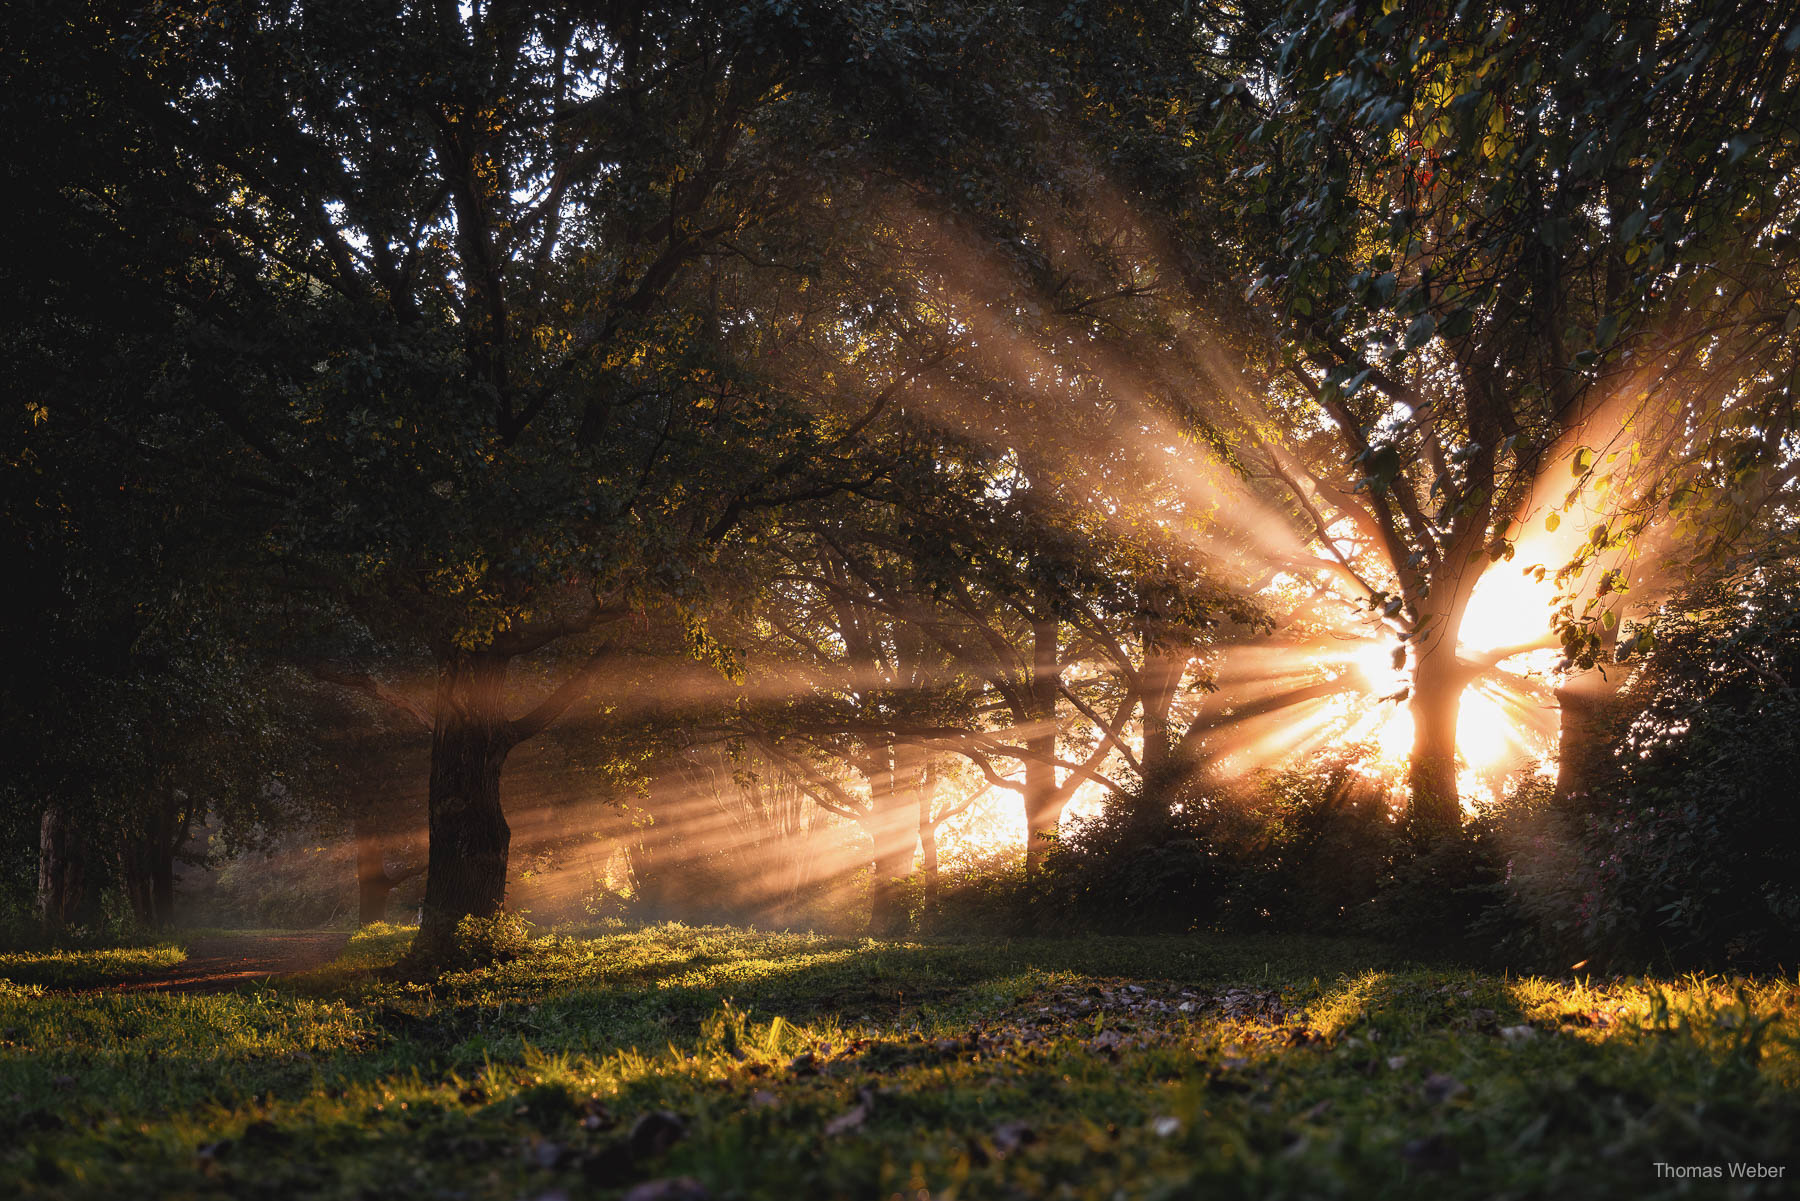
{"x": 809, "y": 1066}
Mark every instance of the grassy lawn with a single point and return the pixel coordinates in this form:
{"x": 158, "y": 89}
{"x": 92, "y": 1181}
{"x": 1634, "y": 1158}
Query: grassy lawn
{"x": 787, "y": 1066}
{"x": 88, "y": 968}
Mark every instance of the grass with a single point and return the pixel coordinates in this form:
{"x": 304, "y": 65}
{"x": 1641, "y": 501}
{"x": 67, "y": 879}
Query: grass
{"x": 793, "y": 1066}
{"x": 87, "y": 967}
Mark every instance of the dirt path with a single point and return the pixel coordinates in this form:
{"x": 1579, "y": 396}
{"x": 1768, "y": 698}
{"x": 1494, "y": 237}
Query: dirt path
{"x": 221, "y": 962}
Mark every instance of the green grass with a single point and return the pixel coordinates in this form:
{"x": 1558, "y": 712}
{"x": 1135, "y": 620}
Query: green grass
{"x": 806, "y": 1066}
{"x": 86, "y": 968}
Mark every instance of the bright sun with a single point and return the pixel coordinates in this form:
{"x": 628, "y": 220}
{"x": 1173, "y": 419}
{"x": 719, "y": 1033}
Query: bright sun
{"x": 1509, "y": 609}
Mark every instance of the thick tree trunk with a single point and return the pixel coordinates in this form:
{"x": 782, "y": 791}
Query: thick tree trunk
{"x": 147, "y": 864}
{"x": 1044, "y": 803}
{"x": 1586, "y": 703}
{"x": 1431, "y": 772}
{"x": 888, "y": 911}
{"x": 1165, "y": 663}
{"x": 1158, "y": 755}
{"x": 1579, "y": 721}
{"x": 1437, "y": 687}
{"x": 61, "y": 875}
{"x": 470, "y": 840}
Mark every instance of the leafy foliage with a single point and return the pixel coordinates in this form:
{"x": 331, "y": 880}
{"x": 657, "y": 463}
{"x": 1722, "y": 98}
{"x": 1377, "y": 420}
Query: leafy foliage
{"x": 1690, "y": 855}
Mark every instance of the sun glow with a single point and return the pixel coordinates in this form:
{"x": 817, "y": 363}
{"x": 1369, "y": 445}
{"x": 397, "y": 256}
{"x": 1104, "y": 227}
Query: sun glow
{"x": 1510, "y": 608}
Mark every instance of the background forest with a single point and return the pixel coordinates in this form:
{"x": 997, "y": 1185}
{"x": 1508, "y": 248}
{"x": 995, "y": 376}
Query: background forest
{"x": 900, "y": 468}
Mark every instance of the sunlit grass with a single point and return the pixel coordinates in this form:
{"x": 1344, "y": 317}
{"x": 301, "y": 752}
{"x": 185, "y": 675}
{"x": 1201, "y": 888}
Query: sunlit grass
{"x": 811, "y": 1066}
{"x": 83, "y": 968}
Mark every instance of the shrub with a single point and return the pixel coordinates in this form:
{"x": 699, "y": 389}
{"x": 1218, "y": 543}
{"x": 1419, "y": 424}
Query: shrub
{"x": 497, "y": 939}
{"x": 1297, "y": 849}
{"x": 1685, "y": 853}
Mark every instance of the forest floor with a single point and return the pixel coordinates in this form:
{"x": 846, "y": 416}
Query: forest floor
{"x": 188, "y": 961}
{"x": 680, "y": 1064}
{"x": 231, "y": 958}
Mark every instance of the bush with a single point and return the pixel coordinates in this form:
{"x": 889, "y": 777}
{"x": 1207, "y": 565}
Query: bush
{"x": 1694, "y": 850}
{"x": 1302, "y": 849}
{"x": 1685, "y": 852}
{"x": 497, "y": 939}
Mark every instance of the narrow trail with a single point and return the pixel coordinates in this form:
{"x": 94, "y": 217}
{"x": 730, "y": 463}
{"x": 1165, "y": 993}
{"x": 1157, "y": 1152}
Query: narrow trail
{"x": 220, "y": 962}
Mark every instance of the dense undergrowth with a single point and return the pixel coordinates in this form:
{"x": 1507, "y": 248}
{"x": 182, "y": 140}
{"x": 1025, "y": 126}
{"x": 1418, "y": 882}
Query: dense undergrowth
{"x": 781, "y": 1066}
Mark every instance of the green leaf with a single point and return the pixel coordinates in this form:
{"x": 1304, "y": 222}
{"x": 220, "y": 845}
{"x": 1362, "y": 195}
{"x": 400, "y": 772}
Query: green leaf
{"x": 1552, "y": 521}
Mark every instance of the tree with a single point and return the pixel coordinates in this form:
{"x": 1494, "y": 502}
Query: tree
{"x": 474, "y": 322}
{"x": 1509, "y": 244}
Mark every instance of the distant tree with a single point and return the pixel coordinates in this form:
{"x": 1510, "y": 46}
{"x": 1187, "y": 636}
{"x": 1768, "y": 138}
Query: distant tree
{"x": 134, "y": 703}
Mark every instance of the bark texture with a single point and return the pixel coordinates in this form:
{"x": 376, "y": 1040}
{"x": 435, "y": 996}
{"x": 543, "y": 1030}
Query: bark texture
{"x": 470, "y": 840}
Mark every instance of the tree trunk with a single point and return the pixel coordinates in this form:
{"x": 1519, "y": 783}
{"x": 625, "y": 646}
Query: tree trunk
{"x": 928, "y": 850}
{"x": 892, "y": 826}
{"x": 162, "y": 889}
{"x": 1431, "y": 771}
{"x": 1582, "y": 714}
{"x": 470, "y": 738}
{"x": 61, "y": 875}
{"x": 372, "y": 881}
{"x": 1044, "y": 803}
{"x": 1437, "y": 687}
{"x": 1161, "y": 759}
{"x": 147, "y": 863}
{"x": 1042, "y": 798}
